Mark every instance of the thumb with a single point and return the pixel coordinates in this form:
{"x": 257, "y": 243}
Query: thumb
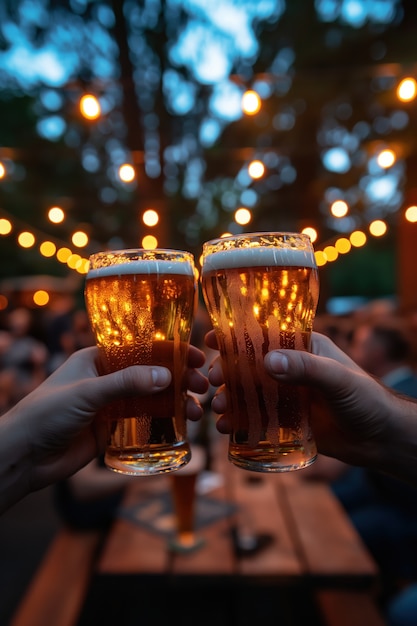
{"x": 133, "y": 380}
{"x": 308, "y": 369}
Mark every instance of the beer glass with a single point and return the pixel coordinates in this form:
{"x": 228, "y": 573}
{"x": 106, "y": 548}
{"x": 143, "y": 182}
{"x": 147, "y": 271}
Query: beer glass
{"x": 261, "y": 291}
{"x": 184, "y": 499}
{"x": 140, "y": 305}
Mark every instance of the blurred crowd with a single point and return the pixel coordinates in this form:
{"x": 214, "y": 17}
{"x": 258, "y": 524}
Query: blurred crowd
{"x": 33, "y": 343}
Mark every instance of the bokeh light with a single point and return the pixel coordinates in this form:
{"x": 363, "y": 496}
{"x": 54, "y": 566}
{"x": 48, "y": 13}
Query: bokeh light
{"x": 56, "y": 215}
{"x": 149, "y": 242}
{"x": 251, "y": 102}
{"x": 150, "y": 218}
{"x": 407, "y": 89}
{"x": 90, "y": 107}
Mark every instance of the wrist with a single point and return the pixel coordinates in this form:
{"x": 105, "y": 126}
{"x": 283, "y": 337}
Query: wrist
{"x": 15, "y": 466}
{"x": 395, "y": 450}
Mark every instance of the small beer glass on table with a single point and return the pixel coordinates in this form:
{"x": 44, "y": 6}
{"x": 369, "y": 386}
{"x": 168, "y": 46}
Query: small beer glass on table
{"x": 183, "y": 484}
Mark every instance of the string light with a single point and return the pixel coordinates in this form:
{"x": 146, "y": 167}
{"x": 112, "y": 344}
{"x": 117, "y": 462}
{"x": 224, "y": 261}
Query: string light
{"x": 377, "y": 228}
{"x": 358, "y": 239}
{"x": 407, "y": 90}
{"x": 386, "y": 158}
{"x": 90, "y": 107}
{"x": 5, "y": 226}
{"x": 47, "y": 248}
{"x": 80, "y": 239}
{"x": 2, "y": 170}
{"x": 56, "y": 215}
{"x": 127, "y": 173}
{"x": 411, "y": 214}
{"x": 256, "y": 169}
{"x": 243, "y": 216}
{"x": 311, "y": 232}
{"x": 26, "y": 239}
{"x": 251, "y": 102}
{"x": 343, "y": 245}
{"x": 331, "y": 253}
{"x": 150, "y": 217}
{"x": 339, "y": 208}
{"x": 41, "y": 297}
{"x": 149, "y": 242}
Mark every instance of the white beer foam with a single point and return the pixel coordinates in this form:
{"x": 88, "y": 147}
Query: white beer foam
{"x": 258, "y": 256}
{"x": 143, "y": 267}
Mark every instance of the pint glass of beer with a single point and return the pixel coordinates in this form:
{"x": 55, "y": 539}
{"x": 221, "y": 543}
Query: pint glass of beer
{"x": 140, "y": 305}
{"x": 261, "y": 291}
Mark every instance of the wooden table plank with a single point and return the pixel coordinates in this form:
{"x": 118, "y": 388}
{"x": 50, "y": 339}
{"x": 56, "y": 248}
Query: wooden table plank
{"x": 260, "y": 514}
{"x": 329, "y": 543}
{"x": 131, "y": 549}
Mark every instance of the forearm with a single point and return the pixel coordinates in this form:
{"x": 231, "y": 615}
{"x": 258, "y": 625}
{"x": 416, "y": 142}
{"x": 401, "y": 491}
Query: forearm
{"x": 398, "y": 453}
{"x": 15, "y": 466}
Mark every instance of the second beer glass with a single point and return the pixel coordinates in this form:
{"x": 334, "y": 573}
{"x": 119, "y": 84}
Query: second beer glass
{"x": 140, "y": 305}
{"x": 261, "y": 291}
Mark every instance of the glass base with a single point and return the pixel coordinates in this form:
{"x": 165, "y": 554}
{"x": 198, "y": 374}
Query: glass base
{"x": 288, "y": 463}
{"x": 188, "y": 543}
{"x": 147, "y": 463}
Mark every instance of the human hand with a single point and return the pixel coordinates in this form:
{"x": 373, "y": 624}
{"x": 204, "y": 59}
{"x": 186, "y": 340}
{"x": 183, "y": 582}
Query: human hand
{"x": 53, "y": 431}
{"x": 353, "y": 415}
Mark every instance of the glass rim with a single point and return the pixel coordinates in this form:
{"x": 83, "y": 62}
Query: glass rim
{"x": 256, "y": 235}
{"x": 108, "y": 258}
{"x": 260, "y": 233}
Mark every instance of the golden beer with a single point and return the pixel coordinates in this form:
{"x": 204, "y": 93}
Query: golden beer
{"x": 184, "y": 500}
{"x": 140, "y": 305}
{"x": 261, "y": 291}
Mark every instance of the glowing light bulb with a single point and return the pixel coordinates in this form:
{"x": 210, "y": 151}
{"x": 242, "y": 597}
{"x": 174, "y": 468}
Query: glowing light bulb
{"x": 251, "y": 102}
{"x": 90, "y": 107}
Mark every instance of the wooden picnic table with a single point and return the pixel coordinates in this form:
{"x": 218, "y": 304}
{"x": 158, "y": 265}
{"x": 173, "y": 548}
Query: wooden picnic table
{"x": 305, "y": 545}
{"x": 306, "y": 563}
{"x": 307, "y": 534}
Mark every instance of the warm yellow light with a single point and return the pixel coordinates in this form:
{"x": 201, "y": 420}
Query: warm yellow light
{"x": 251, "y": 102}
{"x": 5, "y": 226}
{"x": 410, "y": 214}
{"x": 63, "y": 254}
{"x": 2, "y": 170}
{"x": 127, "y": 173}
{"x": 47, "y": 248}
{"x": 321, "y": 258}
{"x": 256, "y": 169}
{"x": 26, "y": 239}
{"x": 226, "y": 234}
{"x": 377, "y": 228}
{"x": 149, "y": 242}
{"x": 73, "y": 260}
{"x": 358, "y": 239}
{"x": 343, "y": 245}
{"x": 56, "y": 215}
{"x": 150, "y": 217}
{"x": 407, "y": 90}
{"x": 82, "y": 266}
{"x": 331, "y": 253}
{"x": 386, "y": 158}
{"x": 79, "y": 239}
{"x": 90, "y": 107}
{"x": 311, "y": 232}
{"x": 243, "y": 216}
{"x": 41, "y": 297}
{"x": 339, "y": 208}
